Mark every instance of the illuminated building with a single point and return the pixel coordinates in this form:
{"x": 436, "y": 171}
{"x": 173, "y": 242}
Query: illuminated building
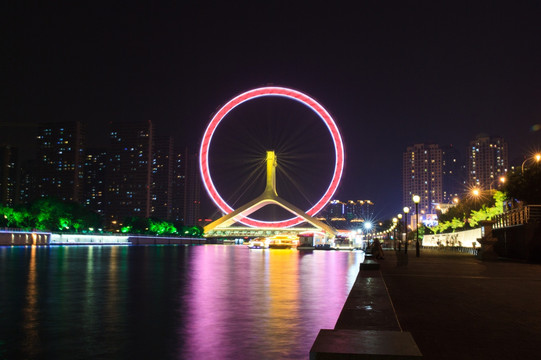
{"x": 129, "y": 170}
{"x": 60, "y": 160}
{"x": 178, "y": 182}
{"x": 95, "y": 179}
{"x": 162, "y": 177}
{"x": 422, "y": 175}
{"x": 453, "y": 174}
{"x": 9, "y": 175}
{"x": 335, "y": 211}
{"x": 487, "y": 161}
{"x": 348, "y": 215}
{"x": 192, "y": 189}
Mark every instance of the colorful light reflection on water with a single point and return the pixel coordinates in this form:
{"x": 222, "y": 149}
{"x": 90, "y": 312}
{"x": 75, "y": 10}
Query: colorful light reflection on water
{"x": 169, "y": 302}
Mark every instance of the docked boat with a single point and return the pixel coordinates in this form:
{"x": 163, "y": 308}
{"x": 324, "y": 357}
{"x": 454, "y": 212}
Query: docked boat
{"x": 283, "y": 241}
{"x": 258, "y": 243}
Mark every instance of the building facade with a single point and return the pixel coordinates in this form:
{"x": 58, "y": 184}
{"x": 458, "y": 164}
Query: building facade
{"x": 60, "y": 160}
{"x": 95, "y": 179}
{"x": 487, "y": 161}
{"x": 162, "y": 178}
{"x": 422, "y": 175}
{"x": 453, "y": 174}
{"x": 129, "y": 171}
{"x": 192, "y": 189}
{"x": 9, "y": 175}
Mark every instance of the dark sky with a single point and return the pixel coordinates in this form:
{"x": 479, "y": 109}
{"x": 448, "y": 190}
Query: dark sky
{"x": 392, "y": 73}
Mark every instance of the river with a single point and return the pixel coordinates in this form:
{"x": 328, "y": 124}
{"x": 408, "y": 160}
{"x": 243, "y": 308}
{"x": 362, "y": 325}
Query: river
{"x": 168, "y": 302}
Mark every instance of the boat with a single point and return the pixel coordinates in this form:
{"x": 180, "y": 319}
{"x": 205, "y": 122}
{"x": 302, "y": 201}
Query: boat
{"x": 283, "y": 241}
{"x": 258, "y": 243}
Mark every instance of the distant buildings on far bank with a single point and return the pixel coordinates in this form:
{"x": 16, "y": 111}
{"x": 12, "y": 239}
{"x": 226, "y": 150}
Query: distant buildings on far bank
{"x": 138, "y": 174}
{"x": 440, "y": 175}
{"x": 349, "y": 214}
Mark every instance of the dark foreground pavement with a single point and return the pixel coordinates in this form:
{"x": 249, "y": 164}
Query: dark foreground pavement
{"x": 458, "y": 307}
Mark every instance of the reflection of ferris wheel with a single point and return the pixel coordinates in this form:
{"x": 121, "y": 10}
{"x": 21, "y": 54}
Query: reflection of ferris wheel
{"x": 272, "y": 92}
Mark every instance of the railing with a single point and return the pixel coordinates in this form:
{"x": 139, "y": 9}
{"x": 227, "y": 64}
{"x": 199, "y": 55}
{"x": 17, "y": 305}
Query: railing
{"x": 518, "y": 216}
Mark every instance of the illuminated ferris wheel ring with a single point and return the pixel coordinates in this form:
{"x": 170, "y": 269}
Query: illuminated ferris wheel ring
{"x": 281, "y": 92}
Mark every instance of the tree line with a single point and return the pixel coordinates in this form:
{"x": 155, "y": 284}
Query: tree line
{"x": 52, "y": 214}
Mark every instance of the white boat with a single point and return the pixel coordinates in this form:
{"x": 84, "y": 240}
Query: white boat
{"x": 258, "y": 243}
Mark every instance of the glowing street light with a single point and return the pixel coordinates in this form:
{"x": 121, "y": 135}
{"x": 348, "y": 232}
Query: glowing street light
{"x": 367, "y": 225}
{"x": 536, "y": 158}
{"x": 416, "y": 200}
{"x": 406, "y": 211}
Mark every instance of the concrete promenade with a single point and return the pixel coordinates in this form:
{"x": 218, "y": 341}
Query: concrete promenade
{"x": 458, "y": 307}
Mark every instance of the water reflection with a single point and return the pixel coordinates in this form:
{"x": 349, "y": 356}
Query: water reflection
{"x": 264, "y": 304}
{"x": 31, "y": 342}
{"x": 172, "y": 302}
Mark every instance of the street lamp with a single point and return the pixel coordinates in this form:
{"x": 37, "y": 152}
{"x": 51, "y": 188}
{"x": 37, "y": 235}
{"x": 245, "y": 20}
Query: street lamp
{"x": 395, "y": 221}
{"x": 367, "y": 227}
{"x": 500, "y": 180}
{"x": 536, "y": 158}
{"x": 416, "y": 199}
{"x": 406, "y": 211}
{"x": 399, "y": 216}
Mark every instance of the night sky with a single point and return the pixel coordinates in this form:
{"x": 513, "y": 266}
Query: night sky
{"x": 391, "y": 73}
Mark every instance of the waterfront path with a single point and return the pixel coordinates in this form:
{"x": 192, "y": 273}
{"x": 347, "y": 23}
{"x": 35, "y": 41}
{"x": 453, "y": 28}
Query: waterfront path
{"x": 458, "y": 307}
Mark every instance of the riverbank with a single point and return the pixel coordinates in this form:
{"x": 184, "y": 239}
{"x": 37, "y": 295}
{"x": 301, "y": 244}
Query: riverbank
{"x": 25, "y": 238}
{"x": 458, "y": 307}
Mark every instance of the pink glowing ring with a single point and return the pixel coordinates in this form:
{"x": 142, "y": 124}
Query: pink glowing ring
{"x": 257, "y": 93}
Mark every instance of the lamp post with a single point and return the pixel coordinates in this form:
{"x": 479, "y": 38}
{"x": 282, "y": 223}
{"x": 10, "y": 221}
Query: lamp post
{"x": 406, "y": 211}
{"x": 395, "y": 221}
{"x": 416, "y": 199}
{"x": 399, "y": 216}
{"x": 536, "y": 158}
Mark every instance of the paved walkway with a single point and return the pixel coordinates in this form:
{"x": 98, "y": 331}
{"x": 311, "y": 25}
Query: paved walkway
{"x": 458, "y": 307}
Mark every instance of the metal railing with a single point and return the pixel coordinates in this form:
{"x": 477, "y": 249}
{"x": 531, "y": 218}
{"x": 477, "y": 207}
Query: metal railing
{"x": 519, "y": 216}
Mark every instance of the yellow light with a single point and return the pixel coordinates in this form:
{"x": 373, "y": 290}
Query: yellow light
{"x": 416, "y": 199}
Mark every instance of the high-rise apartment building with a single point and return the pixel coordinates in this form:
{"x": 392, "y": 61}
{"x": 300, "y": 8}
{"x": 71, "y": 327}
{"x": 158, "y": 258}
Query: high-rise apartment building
{"x": 9, "y": 175}
{"x": 453, "y": 174}
{"x": 347, "y": 215}
{"x": 95, "y": 179}
{"x": 162, "y": 178}
{"x": 60, "y": 160}
{"x": 129, "y": 170}
{"x": 178, "y": 183}
{"x": 422, "y": 175}
{"x": 487, "y": 161}
{"x": 359, "y": 210}
{"x": 192, "y": 189}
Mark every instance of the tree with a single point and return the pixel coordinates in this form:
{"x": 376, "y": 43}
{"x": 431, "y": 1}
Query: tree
{"x": 524, "y": 186}
{"x": 135, "y": 225}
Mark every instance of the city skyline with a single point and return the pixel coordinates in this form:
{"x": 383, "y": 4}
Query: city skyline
{"x": 85, "y": 174}
{"x": 392, "y": 75}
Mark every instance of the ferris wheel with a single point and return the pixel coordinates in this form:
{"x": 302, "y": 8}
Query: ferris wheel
{"x": 268, "y": 92}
